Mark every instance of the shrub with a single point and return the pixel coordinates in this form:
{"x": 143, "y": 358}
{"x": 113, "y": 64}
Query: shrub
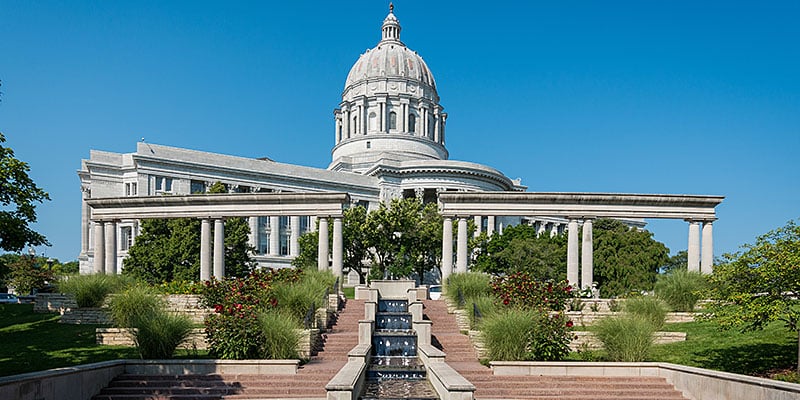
{"x": 681, "y": 289}
{"x": 648, "y": 307}
{"x": 522, "y": 290}
{"x": 281, "y": 338}
{"x": 180, "y": 287}
{"x": 91, "y": 290}
{"x": 468, "y": 285}
{"x": 576, "y": 304}
{"x": 526, "y": 335}
{"x": 158, "y": 335}
{"x": 133, "y": 305}
{"x": 626, "y": 337}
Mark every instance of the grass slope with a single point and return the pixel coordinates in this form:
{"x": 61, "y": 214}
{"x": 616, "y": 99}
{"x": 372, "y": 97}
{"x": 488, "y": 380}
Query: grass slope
{"x": 34, "y": 342}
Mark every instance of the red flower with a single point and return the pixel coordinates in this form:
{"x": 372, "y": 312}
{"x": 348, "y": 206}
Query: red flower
{"x": 568, "y": 289}
{"x": 218, "y": 308}
{"x": 505, "y": 301}
{"x": 569, "y": 324}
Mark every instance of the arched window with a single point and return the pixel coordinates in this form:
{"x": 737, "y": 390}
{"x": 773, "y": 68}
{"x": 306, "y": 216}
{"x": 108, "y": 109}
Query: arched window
{"x": 430, "y": 126}
{"x": 373, "y": 122}
{"x": 392, "y": 120}
{"x": 412, "y": 123}
{"x": 355, "y": 124}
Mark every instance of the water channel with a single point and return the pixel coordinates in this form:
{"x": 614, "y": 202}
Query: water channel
{"x": 394, "y": 371}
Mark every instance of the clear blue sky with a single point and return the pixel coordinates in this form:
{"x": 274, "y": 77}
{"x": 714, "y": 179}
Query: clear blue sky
{"x": 695, "y": 97}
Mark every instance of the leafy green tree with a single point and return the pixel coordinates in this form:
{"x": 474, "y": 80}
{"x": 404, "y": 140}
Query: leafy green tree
{"x": 520, "y": 249}
{"x": 26, "y": 275}
{"x": 169, "y": 249}
{"x": 19, "y": 196}
{"x": 759, "y": 284}
{"x": 676, "y": 262}
{"x": 356, "y": 247}
{"x": 307, "y": 256}
{"x": 404, "y": 237}
{"x": 625, "y": 259}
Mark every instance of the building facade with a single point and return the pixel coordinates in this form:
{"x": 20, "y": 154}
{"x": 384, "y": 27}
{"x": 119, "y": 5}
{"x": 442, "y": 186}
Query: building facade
{"x": 389, "y": 142}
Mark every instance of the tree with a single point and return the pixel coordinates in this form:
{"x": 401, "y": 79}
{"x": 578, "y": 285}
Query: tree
{"x": 520, "y": 249}
{"x": 625, "y": 259}
{"x": 18, "y": 198}
{"x": 405, "y": 238}
{"x": 678, "y": 261}
{"x": 169, "y": 249}
{"x": 27, "y": 275}
{"x": 759, "y": 284}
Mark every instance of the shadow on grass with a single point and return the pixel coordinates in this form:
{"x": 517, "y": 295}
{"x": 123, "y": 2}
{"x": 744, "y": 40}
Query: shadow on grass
{"x": 748, "y": 359}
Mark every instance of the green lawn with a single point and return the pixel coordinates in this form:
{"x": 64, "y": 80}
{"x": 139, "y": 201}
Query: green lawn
{"x": 751, "y": 353}
{"x": 34, "y": 342}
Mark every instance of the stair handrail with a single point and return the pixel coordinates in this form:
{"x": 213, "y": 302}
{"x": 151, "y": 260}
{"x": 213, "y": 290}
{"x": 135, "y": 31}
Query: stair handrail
{"x": 309, "y": 320}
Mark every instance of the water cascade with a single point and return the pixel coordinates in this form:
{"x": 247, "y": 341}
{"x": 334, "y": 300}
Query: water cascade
{"x": 394, "y": 371}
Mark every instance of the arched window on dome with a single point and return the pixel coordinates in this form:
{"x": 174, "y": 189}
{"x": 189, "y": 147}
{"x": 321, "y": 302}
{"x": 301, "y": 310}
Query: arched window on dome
{"x": 355, "y": 124}
{"x": 412, "y": 123}
{"x": 373, "y": 122}
{"x": 392, "y": 120}
{"x": 430, "y": 127}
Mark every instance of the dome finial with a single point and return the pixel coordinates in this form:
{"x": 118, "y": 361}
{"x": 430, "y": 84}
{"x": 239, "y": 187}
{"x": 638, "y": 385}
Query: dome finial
{"x": 391, "y": 27}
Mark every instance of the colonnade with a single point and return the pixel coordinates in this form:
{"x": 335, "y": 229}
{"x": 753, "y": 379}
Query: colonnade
{"x": 580, "y": 258}
{"x": 212, "y": 250}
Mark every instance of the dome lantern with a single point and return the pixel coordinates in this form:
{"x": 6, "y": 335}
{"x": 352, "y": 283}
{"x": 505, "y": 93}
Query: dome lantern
{"x": 391, "y": 27}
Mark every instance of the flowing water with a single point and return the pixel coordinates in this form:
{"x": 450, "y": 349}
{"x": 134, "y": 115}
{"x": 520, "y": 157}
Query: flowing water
{"x": 395, "y": 372}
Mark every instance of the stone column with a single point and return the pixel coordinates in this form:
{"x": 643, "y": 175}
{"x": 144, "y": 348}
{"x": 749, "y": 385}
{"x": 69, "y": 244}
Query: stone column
{"x": 490, "y": 225}
{"x": 447, "y": 248}
{"x": 587, "y": 256}
{"x": 111, "y": 247}
{"x": 707, "y": 262}
{"x": 294, "y": 235}
{"x": 572, "y": 253}
{"x": 219, "y": 248}
{"x": 542, "y": 228}
{"x": 99, "y": 248}
{"x": 322, "y": 249}
{"x": 693, "y": 253}
{"x": 478, "y": 225}
{"x": 461, "y": 246}
{"x": 205, "y": 249}
{"x": 85, "y": 223}
{"x": 253, "y": 237}
{"x": 436, "y": 125}
{"x": 553, "y": 229}
{"x": 274, "y": 235}
{"x": 337, "y": 249}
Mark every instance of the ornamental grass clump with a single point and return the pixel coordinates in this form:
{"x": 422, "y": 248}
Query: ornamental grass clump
{"x": 648, "y": 307}
{"x": 280, "y": 333}
{"x": 155, "y": 331}
{"x": 515, "y": 334}
{"x": 465, "y": 285}
{"x": 92, "y": 290}
{"x": 484, "y": 305}
{"x": 681, "y": 289}
{"x": 299, "y": 297}
{"x": 626, "y": 338}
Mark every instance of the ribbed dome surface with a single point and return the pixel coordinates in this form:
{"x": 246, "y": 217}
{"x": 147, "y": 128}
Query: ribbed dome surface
{"x": 390, "y": 59}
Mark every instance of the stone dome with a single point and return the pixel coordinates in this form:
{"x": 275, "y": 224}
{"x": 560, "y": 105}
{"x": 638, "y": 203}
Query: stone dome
{"x": 390, "y": 59}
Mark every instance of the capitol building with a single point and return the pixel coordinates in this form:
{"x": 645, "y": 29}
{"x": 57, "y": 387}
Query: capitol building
{"x": 389, "y": 141}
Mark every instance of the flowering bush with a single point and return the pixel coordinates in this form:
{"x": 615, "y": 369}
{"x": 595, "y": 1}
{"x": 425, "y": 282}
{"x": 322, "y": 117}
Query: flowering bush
{"x": 521, "y": 290}
{"x": 233, "y": 330}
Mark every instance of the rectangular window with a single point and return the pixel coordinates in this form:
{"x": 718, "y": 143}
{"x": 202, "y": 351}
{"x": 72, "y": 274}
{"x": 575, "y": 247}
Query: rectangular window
{"x": 125, "y": 238}
{"x": 197, "y": 187}
{"x": 130, "y": 189}
{"x": 163, "y": 184}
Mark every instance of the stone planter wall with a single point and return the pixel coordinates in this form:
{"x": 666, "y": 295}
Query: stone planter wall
{"x": 586, "y": 318}
{"x": 53, "y": 302}
{"x": 78, "y": 316}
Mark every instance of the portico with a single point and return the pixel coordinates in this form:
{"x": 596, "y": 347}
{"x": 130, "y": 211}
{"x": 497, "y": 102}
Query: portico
{"x": 579, "y": 208}
{"x": 212, "y": 209}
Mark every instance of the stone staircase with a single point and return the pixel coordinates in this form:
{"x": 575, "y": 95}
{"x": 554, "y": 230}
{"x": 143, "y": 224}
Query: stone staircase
{"x": 308, "y": 383}
{"x": 461, "y": 356}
